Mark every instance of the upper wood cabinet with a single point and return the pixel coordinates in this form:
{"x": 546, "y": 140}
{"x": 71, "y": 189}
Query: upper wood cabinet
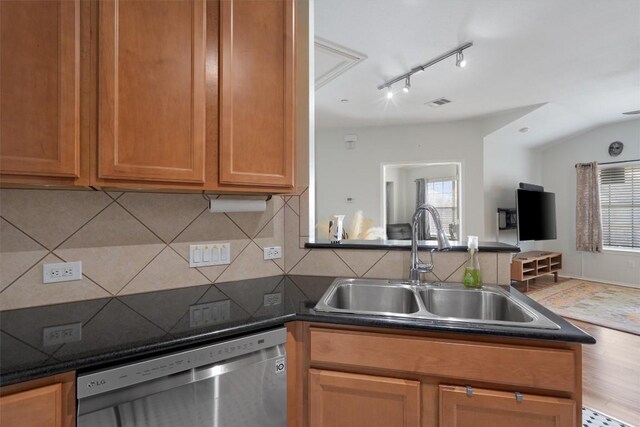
{"x": 490, "y": 408}
{"x": 40, "y": 88}
{"x": 257, "y": 92}
{"x": 157, "y": 94}
{"x": 151, "y": 96}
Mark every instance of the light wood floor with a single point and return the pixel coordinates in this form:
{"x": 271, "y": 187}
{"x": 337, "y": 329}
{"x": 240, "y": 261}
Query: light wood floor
{"x": 611, "y": 368}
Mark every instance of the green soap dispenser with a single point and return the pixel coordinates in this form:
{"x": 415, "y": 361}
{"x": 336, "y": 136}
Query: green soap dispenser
{"x": 472, "y": 274}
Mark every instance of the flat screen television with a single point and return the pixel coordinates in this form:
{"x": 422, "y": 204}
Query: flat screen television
{"x": 536, "y": 215}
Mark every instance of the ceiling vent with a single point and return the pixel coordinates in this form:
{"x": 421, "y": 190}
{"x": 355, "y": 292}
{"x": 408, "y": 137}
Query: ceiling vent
{"x": 438, "y": 102}
{"x": 332, "y": 60}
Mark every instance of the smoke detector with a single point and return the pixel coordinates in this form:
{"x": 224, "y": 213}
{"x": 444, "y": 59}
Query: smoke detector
{"x": 438, "y": 102}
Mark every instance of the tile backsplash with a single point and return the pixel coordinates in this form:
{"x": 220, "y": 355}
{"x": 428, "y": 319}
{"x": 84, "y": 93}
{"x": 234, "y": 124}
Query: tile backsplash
{"x": 382, "y": 264}
{"x": 136, "y": 242}
{"x": 128, "y": 243}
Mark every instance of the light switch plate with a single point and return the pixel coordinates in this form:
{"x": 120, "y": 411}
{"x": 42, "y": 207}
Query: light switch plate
{"x": 206, "y": 254}
{"x": 209, "y": 313}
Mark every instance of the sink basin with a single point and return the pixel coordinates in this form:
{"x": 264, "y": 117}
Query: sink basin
{"x": 371, "y": 297}
{"x": 447, "y": 302}
{"x": 473, "y": 304}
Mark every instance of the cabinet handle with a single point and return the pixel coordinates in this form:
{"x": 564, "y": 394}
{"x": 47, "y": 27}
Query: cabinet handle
{"x": 519, "y": 397}
{"x": 469, "y": 391}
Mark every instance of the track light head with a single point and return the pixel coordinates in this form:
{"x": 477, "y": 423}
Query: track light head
{"x": 407, "y": 84}
{"x": 460, "y": 62}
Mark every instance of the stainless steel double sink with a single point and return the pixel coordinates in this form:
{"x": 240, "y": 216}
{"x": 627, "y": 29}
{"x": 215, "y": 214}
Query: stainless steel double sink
{"x": 450, "y": 302}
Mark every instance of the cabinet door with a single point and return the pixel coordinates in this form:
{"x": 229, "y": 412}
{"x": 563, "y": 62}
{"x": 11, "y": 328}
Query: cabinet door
{"x": 151, "y": 100}
{"x": 40, "y": 88}
{"x": 257, "y": 123}
{"x": 39, "y": 407}
{"x": 342, "y": 399}
{"x": 489, "y": 408}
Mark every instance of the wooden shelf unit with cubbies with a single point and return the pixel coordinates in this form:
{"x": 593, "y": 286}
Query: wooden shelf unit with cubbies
{"x": 531, "y": 265}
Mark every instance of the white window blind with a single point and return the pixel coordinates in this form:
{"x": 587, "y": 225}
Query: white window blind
{"x": 620, "y": 206}
{"x": 443, "y": 195}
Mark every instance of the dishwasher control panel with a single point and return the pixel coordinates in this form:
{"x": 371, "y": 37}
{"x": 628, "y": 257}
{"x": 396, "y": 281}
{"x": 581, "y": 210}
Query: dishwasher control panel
{"x": 124, "y": 376}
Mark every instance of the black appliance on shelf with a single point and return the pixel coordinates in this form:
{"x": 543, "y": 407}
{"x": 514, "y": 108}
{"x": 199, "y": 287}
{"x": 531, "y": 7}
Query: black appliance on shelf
{"x": 507, "y": 219}
{"x": 536, "y": 213}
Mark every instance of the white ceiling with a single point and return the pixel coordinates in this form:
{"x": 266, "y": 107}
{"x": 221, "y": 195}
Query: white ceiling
{"x": 579, "y": 57}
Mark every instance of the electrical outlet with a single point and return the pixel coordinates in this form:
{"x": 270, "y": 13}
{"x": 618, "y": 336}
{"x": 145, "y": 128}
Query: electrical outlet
{"x": 272, "y": 299}
{"x": 56, "y": 335}
{"x": 206, "y": 254}
{"x": 273, "y": 252}
{"x": 62, "y": 272}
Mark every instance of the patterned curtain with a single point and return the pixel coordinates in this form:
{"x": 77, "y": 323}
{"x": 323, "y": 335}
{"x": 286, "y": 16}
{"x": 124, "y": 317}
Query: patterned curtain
{"x": 588, "y": 220}
{"x": 421, "y": 195}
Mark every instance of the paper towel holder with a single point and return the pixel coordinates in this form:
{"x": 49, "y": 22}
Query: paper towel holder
{"x": 218, "y": 205}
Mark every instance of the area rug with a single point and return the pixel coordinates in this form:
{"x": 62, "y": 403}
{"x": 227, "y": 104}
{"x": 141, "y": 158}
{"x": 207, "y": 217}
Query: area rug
{"x": 591, "y": 418}
{"x": 611, "y": 306}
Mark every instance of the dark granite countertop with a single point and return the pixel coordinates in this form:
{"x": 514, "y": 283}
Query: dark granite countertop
{"x": 405, "y": 245}
{"x": 121, "y": 329}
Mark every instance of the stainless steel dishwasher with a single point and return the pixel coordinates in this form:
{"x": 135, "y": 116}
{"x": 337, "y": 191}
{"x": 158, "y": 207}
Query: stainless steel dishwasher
{"x": 240, "y": 382}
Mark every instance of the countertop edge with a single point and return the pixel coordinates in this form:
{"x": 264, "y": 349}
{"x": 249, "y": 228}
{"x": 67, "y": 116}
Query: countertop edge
{"x": 118, "y": 357}
{"x": 456, "y": 327}
{"x": 405, "y": 245}
{"x": 568, "y": 333}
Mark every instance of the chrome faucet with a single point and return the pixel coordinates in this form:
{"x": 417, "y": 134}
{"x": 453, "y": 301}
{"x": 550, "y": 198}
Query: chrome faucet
{"x": 418, "y": 266}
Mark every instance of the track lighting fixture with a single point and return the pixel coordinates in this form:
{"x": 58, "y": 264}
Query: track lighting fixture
{"x": 407, "y": 84}
{"x": 460, "y": 62}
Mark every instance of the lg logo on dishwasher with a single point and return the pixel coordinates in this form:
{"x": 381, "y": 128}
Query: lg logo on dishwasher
{"x": 281, "y": 366}
{"x": 96, "y": 383}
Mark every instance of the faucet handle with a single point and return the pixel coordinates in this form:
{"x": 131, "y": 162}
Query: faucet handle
{"x": 424, "y": 268}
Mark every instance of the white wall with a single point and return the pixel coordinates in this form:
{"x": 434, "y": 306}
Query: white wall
{"x": 356, "y": 173}
{"x": 505, "y": 166}
{"x": 492, "y": 167}
{"x": 397, "y": 176}
{"x": 559, "y": 176}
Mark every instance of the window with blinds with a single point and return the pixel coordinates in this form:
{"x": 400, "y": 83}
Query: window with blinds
{"x": 620, "y": 206}
{"x": 443, "y": 195}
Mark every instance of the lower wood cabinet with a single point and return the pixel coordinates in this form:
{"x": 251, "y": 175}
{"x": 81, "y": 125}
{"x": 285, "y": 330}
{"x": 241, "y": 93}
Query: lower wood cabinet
{"x": 37, "y": 407}
{"x": 361, "y": 376}
{"x": 343, "y": 399}
{"x": 491, "y": 408}
{"x": 45, "y": 402}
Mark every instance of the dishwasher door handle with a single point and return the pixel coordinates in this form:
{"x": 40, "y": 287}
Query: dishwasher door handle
{"x": 97, "y": 402}
{"x": 119, "y": 396}
{"x": 216, "y": 369}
